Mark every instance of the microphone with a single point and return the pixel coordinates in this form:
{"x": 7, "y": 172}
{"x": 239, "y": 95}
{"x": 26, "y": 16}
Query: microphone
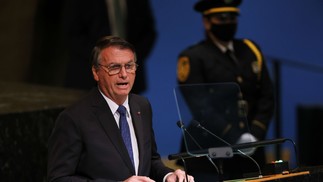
{"x": 198, "y": 125}
{"x": 181, "y": 125}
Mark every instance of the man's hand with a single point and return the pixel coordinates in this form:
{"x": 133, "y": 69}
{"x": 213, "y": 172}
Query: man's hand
{"x": 179, "y": 176}
{"x": 139, "y": 179}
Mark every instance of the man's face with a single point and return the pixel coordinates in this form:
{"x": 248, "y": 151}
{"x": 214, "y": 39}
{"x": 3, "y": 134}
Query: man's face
{"x": 116, "y": 73}
{"x": 221, "y": 26}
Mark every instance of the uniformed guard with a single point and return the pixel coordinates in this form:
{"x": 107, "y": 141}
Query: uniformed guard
{"x": 219, "y": 58}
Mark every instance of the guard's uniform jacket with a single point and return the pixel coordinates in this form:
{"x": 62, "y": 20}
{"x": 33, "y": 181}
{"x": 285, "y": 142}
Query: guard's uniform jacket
{"x": 205, "y": 63}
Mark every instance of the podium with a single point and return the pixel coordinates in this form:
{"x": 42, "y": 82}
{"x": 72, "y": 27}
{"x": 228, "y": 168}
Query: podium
{"x": 27, "y": 116}
{"x": 212, "y": 116}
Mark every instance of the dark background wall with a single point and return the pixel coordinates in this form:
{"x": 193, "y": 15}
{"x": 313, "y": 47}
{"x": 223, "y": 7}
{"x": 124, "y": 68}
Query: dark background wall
{"x": 290, "y": 30}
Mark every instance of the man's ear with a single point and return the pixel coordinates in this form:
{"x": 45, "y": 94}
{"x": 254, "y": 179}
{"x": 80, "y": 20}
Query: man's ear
{"x": 95, "y": 74}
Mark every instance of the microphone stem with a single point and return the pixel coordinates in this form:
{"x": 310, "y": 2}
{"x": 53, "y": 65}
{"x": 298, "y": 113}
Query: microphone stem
{"x": 227, "y": 143}
{"x": 185, "y": 168}
{"x": 196, "y": 143}
{"x": 220, "y": 164}
{"x": 254, "y": 161}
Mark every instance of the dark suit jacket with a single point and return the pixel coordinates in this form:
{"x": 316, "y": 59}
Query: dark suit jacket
{"x": 86, "y": 143}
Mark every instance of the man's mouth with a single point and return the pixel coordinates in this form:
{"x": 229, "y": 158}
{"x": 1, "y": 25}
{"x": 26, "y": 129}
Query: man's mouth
{"x": 121, "y": 84}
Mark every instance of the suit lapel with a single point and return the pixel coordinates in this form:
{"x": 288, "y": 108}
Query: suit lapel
{"x": 138, "y": 126}
{"x": 108, "y": 123}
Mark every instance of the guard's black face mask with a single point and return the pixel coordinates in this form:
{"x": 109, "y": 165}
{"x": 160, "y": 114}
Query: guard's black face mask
{"x": 225, "y": 31}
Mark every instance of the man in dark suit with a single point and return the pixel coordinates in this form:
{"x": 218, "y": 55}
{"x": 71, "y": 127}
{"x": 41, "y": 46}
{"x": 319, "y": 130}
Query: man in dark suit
{"x": 220, "y": 58}
{"x": 86, "y": 143}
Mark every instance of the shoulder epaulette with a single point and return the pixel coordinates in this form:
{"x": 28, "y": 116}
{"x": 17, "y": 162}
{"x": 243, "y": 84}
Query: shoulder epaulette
{"x": 256, "y": 51}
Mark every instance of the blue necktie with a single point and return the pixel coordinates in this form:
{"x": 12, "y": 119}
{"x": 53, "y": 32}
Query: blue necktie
{"x": 124, "y": 129}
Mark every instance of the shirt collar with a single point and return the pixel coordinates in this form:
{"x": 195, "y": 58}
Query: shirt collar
{"x": 113, "y": 106}
{"x": 223, "y": 48}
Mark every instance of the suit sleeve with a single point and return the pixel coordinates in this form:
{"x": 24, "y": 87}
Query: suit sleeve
{"x": 64, "y": 152}
{"x": 264, "y": 105}
{"x": 64, "y": 149}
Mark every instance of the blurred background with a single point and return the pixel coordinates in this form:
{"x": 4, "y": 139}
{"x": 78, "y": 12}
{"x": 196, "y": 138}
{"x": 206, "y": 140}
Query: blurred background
{"x": 289, "y": 33}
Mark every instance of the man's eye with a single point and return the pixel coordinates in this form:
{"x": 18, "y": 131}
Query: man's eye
{"x": 128, "y": 66}
{"x": 114, "y": 67}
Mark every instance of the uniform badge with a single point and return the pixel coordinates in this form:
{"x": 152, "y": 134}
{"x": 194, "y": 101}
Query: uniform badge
{"x": 183, "y": 68}
{"x": 255, "y": 67}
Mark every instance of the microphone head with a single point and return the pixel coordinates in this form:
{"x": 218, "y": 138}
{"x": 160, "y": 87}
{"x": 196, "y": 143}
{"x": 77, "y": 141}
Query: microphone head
{"x": 196, "y": 123}
{"x": 180, "y": 124}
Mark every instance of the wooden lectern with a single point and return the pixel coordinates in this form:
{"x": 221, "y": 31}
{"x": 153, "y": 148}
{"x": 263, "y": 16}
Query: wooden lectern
{"x": 274, "y": 177}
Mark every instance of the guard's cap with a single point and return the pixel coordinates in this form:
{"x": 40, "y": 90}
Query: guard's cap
{"x": 207, "y": 7}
